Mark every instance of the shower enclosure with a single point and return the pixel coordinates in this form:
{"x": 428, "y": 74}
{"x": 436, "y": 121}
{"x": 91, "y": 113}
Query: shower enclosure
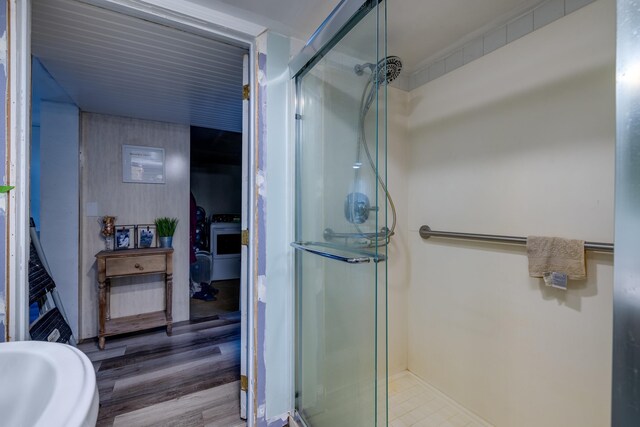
{"x": 341, "y": 219}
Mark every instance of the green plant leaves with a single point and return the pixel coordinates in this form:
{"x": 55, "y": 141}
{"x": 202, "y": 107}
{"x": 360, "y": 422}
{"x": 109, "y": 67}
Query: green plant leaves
{"x": 166, "y": 226}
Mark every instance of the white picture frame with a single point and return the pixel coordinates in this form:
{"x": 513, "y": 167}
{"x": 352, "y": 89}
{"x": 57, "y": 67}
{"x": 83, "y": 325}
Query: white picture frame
{"x": 144, "y": 165}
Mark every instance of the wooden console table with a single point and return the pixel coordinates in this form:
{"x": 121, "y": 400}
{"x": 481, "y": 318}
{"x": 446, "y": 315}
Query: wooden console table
{"x": 128, "y": 263}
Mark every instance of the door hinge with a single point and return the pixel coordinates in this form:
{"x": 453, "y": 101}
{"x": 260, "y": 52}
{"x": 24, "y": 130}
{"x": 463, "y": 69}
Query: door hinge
{"x": 244, "y": 383}
{"x": 244, "y": 238}
{"x": 245, "y": 92}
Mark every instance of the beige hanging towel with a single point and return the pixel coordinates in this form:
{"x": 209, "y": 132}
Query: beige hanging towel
{"x": 554, "y": 254}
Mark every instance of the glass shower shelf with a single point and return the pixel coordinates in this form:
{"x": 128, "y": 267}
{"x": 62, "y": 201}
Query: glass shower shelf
{"x": 339, "y": 252}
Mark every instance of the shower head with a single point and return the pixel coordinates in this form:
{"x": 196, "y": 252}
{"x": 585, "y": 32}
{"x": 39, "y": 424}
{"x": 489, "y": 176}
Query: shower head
{"x": 388, "y": 69}
{"x": 385, "y": 71}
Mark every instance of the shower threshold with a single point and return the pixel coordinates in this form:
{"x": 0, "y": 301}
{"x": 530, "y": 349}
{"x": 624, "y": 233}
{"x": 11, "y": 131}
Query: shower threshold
{"x": 413, "y": 402}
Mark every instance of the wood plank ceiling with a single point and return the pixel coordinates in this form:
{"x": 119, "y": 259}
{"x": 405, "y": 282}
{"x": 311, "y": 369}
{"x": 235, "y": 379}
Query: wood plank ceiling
{"x": 111, "y": 63}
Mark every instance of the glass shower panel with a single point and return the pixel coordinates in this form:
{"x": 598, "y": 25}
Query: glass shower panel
{"x": 341, "y": 372}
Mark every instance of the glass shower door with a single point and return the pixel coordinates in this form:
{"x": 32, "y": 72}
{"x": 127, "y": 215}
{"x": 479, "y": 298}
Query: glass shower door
{"x": 341, "y": 325}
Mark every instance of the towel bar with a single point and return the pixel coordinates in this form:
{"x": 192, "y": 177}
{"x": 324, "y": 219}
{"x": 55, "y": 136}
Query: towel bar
{"x": 352, "y": 256}
{"x": 426, "y": 232}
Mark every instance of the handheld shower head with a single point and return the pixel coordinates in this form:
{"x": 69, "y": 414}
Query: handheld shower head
{"x": 388, "y": 69}
{"x": 385, "y": 71}
{"x": 357, "y": 206}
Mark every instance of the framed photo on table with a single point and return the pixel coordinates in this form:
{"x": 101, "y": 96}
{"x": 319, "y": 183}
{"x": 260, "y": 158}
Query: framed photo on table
{"x": 146, "y": 236}
{"x": 124, "y": 237}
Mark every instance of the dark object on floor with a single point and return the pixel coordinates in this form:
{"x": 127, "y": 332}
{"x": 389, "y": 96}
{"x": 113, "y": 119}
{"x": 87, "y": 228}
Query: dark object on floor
{"x": 206, "y": 293}
{"x": 209, "y": 288}
{"x": 203, "y": 295}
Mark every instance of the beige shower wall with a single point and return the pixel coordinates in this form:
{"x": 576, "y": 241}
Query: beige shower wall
{"x": 518, "y": 142}
{"x": 398, "y": 265}
{"x": 102, "y": 138}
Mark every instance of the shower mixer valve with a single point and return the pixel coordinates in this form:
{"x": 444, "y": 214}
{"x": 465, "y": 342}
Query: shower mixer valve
{"x": 357, "y": 208}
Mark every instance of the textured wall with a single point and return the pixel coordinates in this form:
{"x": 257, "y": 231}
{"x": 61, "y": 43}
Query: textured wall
{"x": 101, "y": 163}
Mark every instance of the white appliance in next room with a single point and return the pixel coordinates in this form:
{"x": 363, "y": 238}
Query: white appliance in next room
{"x": 225, "y": 250}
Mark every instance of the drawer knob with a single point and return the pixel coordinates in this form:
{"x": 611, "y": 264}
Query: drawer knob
{"x": 139, "y": 267}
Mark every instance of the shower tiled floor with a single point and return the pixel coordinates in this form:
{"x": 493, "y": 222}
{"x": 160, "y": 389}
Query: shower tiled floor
{"x": 414, "y": 403}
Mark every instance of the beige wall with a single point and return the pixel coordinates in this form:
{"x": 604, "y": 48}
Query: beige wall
{"x": 101, "y": 162}
{"x": 398, "y": 282}
{"x": 518, "y": 142}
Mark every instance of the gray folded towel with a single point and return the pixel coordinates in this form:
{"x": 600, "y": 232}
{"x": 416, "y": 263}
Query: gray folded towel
{"x": 556, "y": 255}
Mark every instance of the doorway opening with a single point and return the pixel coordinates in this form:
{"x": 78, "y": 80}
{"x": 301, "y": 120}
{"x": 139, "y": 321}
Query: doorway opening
{"x": 216, "y": 198}
{"x": 111, "y": 81}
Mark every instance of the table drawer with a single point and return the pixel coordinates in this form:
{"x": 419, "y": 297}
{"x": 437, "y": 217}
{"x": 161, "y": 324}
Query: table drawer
{"x": 136, "y": 265}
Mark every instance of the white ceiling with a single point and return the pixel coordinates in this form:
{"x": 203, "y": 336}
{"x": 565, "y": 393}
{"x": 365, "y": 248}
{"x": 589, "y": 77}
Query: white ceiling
{"x": 296, "y": 18}
{"x": 114, "y": 64}
{"x": 421, "y": 30}
{"x": 418, "y": 30}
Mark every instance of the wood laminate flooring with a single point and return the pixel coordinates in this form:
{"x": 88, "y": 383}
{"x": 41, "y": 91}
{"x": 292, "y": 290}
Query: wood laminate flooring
{"x": 189, "y": 379}
{"x": 227, "y": 300}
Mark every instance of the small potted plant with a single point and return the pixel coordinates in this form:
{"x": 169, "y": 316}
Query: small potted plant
{"x": 165, "y": 227}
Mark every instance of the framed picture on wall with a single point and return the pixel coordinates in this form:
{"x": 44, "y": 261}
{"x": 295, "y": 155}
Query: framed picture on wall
{"x": 124, "y": 237}
{"x": 146, "y": 236}
{"x": 143, "y": 164}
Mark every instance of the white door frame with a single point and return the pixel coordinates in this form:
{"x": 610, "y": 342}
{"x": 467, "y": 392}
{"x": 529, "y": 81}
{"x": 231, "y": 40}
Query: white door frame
{"x": 244, "y": 274}
{"x": 193, "y": 18}
{"x": 18, "y": 138}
